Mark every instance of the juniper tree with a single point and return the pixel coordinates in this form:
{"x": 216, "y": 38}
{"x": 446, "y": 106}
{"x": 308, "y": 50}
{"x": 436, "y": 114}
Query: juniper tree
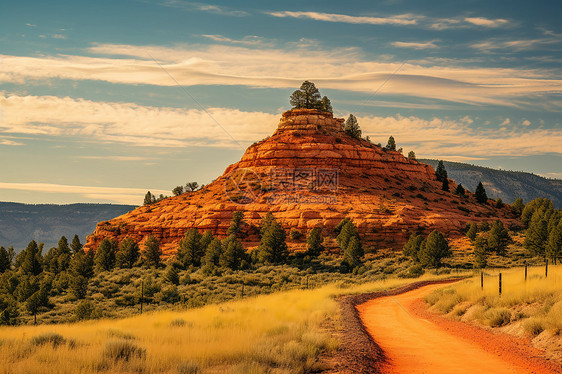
{"x": 498, "y": 238}
{"x": 411, "y": 155}
{"x": 236, "y": 223}
{"x": 172, "y": 275}
{"x": 233, "y": 255}
{"x": 212, "y": 255}
{"x": 351, "y": 127}
{"x": 353, "y": 253}
{"x": 149, "y": 198}
{"x": 178, "y": 190}
{"x": 191, "y": 186}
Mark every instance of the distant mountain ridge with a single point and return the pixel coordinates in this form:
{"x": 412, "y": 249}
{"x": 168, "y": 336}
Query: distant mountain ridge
{"x": 21, "y": 223}
{"x": 507, "y": 185}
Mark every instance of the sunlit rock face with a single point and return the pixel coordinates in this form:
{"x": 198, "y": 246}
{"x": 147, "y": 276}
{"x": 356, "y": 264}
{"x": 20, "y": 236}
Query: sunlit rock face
{"x": 310, "y": 173}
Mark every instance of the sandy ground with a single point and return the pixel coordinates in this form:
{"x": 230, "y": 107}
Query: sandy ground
{"x": 414, "y": 341}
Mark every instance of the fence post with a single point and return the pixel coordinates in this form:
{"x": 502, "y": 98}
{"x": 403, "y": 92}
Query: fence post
{"x": 500, "y": 283}
{"x": 242, "y": 289}
{"x": 482, "y": 280}
{"x": 525, "y": 270}
{"x": 546, "y": 269}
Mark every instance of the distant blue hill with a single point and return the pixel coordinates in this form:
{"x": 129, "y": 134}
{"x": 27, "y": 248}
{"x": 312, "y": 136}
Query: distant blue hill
{"x": 507, "y": 185}
{"x": 46, "y": 223}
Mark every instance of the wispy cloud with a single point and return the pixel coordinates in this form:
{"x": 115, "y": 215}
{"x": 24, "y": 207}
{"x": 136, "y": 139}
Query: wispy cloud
{"x": 130, "y": 123}
{"x": 415, "y": 45}
{"x": 402, "y": 19}
{"x": 251, "y": 40}
{"x": 120, "y": 195}
{"x": 487, "y": 22}
{"x": 209, "y": 8}
{"x": 342, "y": 69}
{"x": 515, "y": 45}
{"x": 114, "y": 158}
{"x": 169, "y": 127}
{"x": 10, "y": 142}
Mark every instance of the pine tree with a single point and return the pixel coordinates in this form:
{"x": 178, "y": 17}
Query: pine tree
{"x": 353, "y": 253}
{"x": 82, "y": 264}
{"x": 213, "y": 254}
{"x": 63, "y": 254}
{"x": 233, "y": 254}
{"x": 79, "y": 286}
{"x": 445, "y": 185}
{"x": 434, "y": 249}
{"x": 411, "y": 155}
{"x": 32, "y": 260}
{"x": 128, "y": 253}
{"x": 347, "y": 232}
{"x": 105, "y": 256}
{"x": 517, "y": 207}
{"x": 391, "y": 145}
{"x": 460, "y": 190}
{"x": 149, "y": 198}
{"x": 236, "y": 223}
{"x": 152, "y": 252}
{"x": 266, "y": 221}
{"x": 351, "y": 127}
{"x": 533, "y": 206}
{"x": 273, "y": 248}
{"x": 191, "y": 186}
{"x": 536, "y": 236}
{"x": 472, "y": 231}
{"x": 441, "y": 172}
{"x": 5, "y": 263}
{"x": 76, "y": 246}
{"x": 554, "y": 245}
{"x": 314, "y": 242}
{"x": 190, "y": 251}
{"x": 480, "y": 252}
{"x": 307, "y": 96}
{"x": 33, "y": 304}
{"x": 412, "y": 246}
{"x": 499, "y": 238}
{"x": 480, "y": 193}
{"x": 205, "y": 240}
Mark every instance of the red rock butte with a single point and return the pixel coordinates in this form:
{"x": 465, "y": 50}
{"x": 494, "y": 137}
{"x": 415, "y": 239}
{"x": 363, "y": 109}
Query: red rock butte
{"x": 310, "y": 173}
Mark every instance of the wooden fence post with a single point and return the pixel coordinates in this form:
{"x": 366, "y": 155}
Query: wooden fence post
{"x": 525, "y": 270}
{"x": 482, "y": 280}
{"x": 546, "y": 269}
{"x": 500, "y": 283}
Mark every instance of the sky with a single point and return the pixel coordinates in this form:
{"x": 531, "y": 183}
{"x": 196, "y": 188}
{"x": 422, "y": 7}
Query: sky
{"x": 102, "y": 101}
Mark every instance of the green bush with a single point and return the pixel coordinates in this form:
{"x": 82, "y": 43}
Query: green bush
{"x": 51, "y": 338}
{"x": 498, "y": 317}
{"x": 122, "y": 350}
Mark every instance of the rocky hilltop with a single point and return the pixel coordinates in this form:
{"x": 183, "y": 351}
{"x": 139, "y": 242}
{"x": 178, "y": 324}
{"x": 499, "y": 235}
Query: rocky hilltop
{"x": 310, "y": 173}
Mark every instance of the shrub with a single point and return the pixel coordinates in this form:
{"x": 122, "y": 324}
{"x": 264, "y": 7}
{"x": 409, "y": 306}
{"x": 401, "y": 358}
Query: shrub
{"x": 178, "y": 322}
{"x": 295, "y": 234}
{"x": 48, "y": 338}
{"x": 86, "y": 310}
{"x": 188, "y": 368}
{"x": 498, "y": 317}
{"x": 122, "y": 350}
{"x": 533, "y": 326}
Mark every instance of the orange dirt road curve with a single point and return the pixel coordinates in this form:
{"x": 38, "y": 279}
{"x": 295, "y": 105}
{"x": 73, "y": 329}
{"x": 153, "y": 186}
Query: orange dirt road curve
{"x": 417, "y": 345}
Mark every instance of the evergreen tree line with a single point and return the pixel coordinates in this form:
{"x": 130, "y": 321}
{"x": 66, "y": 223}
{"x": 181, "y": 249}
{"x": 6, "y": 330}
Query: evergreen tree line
{"x": 487, "y": 239}
{"x": 543, "y": 236}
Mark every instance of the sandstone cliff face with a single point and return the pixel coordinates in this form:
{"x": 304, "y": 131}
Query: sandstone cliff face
{"x": 309, "y": 173}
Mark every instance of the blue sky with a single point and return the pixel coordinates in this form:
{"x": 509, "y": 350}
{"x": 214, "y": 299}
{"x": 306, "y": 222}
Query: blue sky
{"x": 91, "y": 110}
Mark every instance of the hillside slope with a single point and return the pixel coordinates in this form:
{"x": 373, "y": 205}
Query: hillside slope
{"x": 20, "y": 223}
{"x": 507, "y": 185}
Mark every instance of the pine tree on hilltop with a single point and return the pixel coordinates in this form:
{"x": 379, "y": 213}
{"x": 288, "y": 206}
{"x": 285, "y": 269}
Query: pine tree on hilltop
{"x": 351, "y": 127}
{"x": 76, "y": 246}
{"x": 411, "y": 155}
{"x": 307, "y": 96}
{"x": 480, "y": 193}
{"x": 326, "y": 105}
{"x": 460, "y": 190}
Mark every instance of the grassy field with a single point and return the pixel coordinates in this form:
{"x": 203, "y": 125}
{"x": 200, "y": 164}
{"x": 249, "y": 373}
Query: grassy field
{"x": 531, "y": 306}
{"x": 282, "y": 332}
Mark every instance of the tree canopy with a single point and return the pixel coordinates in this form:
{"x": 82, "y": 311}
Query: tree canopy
{"x": 351, "y": 127}
{"x": 308, "y": 97}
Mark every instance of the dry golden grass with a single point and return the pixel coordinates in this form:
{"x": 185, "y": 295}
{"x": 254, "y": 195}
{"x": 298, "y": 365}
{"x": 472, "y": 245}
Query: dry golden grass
{"x": 280, "y": 333}
{"x": 536, "y": 302}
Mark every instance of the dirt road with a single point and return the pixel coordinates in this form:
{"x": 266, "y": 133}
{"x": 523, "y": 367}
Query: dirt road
{"x": 416, "y": 345}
